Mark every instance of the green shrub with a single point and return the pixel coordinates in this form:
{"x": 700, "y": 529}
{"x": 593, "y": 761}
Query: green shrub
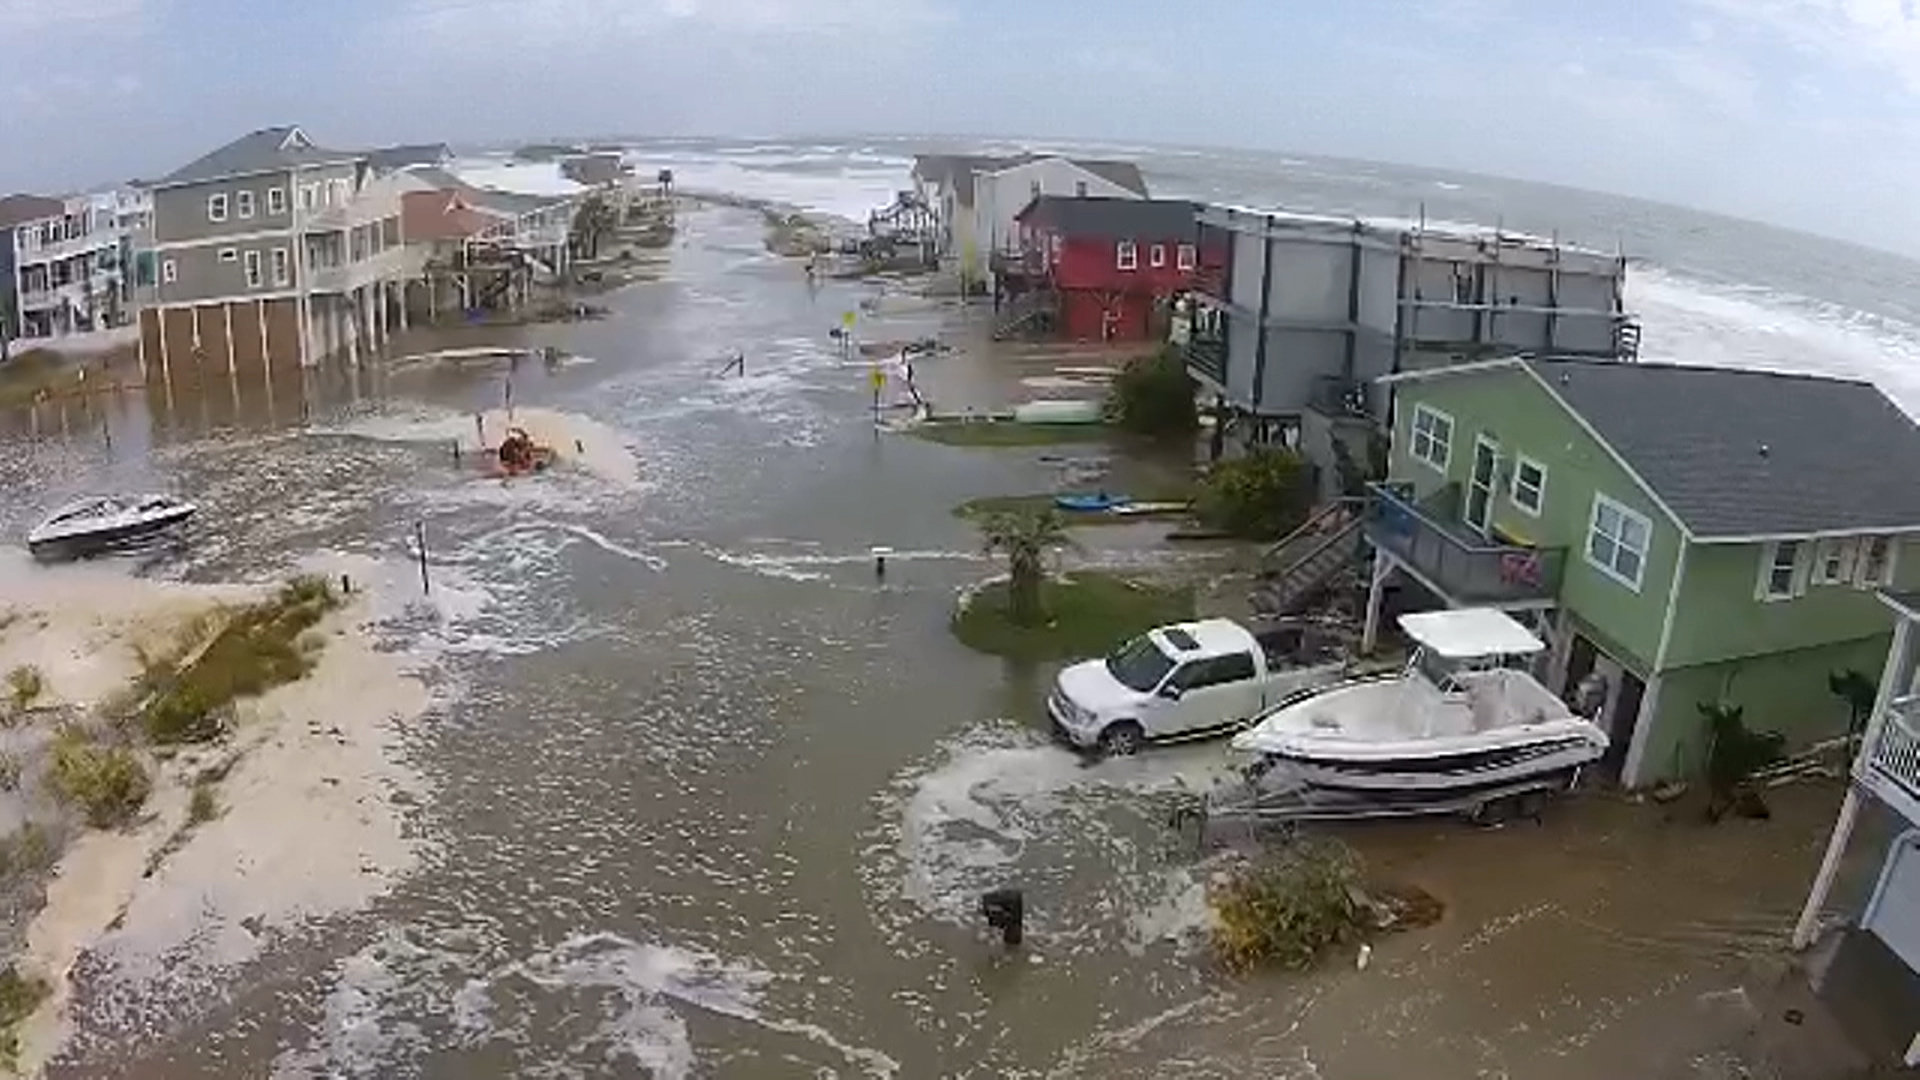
{"x": 107, "y": 783}
{"x": 1153, "y": 396}
{"x": 1288, "y": 908}
{"x": 25, "y": 684}
{"x": 258, "y": 649}
{"x": 204, "y": 806}
{"x": 20, "y": 995}
{"x": 1262, "y": 496}
{"x": 10, "y": 768}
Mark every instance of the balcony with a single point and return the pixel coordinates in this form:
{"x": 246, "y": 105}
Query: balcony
{"x": 1341, "y": 398}
{"x": 1894, "y": 756}
{"x": 1466, "y": 568}
{"x": 1207, "y": 357}
{"x": 345, "y": 277}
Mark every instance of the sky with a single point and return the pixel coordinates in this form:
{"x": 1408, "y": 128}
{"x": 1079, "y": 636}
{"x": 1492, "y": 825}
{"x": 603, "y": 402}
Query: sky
{"x": 1804, "y": 113}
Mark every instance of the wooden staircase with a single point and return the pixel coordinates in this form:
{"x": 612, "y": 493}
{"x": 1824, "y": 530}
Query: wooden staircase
{"x": 1301, "y": 566}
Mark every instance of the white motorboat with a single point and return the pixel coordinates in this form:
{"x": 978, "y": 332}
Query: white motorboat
{"x": 103, "y": 523}
{"x": 1455, "y": 728}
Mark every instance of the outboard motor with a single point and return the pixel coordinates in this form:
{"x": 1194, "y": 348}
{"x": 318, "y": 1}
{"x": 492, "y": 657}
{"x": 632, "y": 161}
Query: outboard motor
{"x": 1006, "y": 911}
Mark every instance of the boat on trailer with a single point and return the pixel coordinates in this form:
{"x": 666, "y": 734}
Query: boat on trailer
{"x": 105, "y": 523}
{"x": 1461, "y": 729}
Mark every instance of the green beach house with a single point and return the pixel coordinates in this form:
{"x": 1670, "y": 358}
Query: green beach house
{"x": 1678, "y": 535}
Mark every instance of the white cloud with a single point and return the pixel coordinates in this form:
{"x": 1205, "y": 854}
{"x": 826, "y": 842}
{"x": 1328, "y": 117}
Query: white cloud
{"x": 1878, "y": 35}
{"x": 22, "y": 16}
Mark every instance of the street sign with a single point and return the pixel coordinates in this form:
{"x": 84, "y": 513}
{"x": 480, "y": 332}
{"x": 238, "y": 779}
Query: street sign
{"x": 846, "y": 319}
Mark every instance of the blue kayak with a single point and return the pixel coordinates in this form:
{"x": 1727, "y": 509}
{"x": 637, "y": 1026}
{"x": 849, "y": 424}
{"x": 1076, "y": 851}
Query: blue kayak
{"x": 1095, "y": 503}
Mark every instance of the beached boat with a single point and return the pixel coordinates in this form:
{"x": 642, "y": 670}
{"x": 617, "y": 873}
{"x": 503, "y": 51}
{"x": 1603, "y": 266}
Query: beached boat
{"x": 1455, "y": 730}
{"x": 91, "y": 525}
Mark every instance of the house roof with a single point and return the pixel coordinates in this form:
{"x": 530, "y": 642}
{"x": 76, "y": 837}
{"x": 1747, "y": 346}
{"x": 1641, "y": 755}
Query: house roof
{"x": 441, "y": 215}
{"x": 260, "y": 151}
{"x": 1121, "y": 173}
{"x": 1114, "y": 217}
{"x": 489, "y": 199}
{"x": 1739, "y": 454}
{"x": 958, "y": 169}
{"x": 19, "y": 209}
{"x": 388, "y": 158}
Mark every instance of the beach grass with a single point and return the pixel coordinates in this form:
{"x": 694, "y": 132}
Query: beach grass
{"x": 974, "y": 509}
{"x": 20, "y": 995}
{"x": 260, "y": 647}
{"x": 1008, "y": 433}
{"x": 105, "y": 782}
{"x": 1088, "y": 613}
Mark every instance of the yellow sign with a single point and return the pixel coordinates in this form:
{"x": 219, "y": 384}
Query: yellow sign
{"x": 846, "y": 320}
{"x": 878, "y": 378}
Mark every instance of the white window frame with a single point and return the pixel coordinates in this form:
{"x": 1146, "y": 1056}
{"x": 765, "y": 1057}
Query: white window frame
{"x": 217, "y": 206}
{"x": 1794, "y": 567}
{"x": 1834, "y": 559}
{"x": 229, "y": 254}
{"x": 243, "y": 203}
{"x": 1625, "y": 514}
{"x": 1183, "y": 257}
{"x": 1157, "y": 256}
{"x": 1126, "y": 255}
{"x": 250, "y": 265}
{"x": 169, "y": 271}
{"x": 276, "y": 201}
{"x": 309, "y": 196}
{"x": 1861, "y": 565}
{"x": 1522, "y": 462}
{"x": 1415, "y": 437}
{"x": 282, "y": 263}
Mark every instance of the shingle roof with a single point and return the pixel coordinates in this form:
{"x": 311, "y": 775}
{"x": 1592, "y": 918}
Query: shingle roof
{"x": 1115, "y": 217}
{"x": 1738, "y": 453}
{"x": 388, "y": 158}
{"x": 15, "y": 209}
{"x": 1123, "y": 173}
{"x": 256, "y": 152}
{"x": 492, "y": 199}
{"x": 958, "y": 169}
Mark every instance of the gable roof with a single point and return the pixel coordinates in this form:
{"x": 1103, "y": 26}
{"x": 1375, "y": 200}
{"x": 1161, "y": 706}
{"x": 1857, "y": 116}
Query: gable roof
{"x": 492, "y": 200}
{"x": 1114, "y": 216}
{"x": 266, "y": 150}
{"x": 441, "y": 215}
{"x": 1738, "y": 454}
{"x": 19, "y": 209}
{"x": 388, "y": 158}
{"x": 958, "y": 169}
{"x": 1119, "y": 173}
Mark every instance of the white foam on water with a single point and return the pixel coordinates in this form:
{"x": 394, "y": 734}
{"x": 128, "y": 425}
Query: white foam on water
{"x": 580, "y": 444}
{"x": 633, "y": 1000}
{"x": 520, "y": 178}
{"x": 1007, "y": 805}
{"x": 819, "y": 566}
{"x": 1692, "y": 322}
{"x": 860, "y": 186}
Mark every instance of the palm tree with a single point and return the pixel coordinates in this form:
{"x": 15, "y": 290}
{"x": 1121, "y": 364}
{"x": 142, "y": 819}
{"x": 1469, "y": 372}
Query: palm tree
{"x": 1024, "y": 536}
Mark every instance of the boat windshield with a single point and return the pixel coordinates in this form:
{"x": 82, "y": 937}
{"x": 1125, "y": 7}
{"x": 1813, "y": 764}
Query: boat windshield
{"x": 1139, "y": 664}
{"x": 1444, "y": 672}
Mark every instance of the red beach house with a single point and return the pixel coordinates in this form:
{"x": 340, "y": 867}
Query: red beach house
{"x": 1111, "y": 262}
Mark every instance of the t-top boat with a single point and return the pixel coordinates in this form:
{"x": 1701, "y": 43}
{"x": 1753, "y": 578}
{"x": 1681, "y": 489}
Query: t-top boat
{"x": 1455, "y": 729}
{"x": 103, "y": 523}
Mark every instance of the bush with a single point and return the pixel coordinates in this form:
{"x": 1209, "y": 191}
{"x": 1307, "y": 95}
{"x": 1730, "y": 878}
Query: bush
{"x": 107, "y": 783}
{"x": 25, "y": 684}
{"x": 9, "y": 771}
{"x": 1289, "y": 908}
{"x": 1262, "y": 496}
{"x": 204, "y": 806}
{"x": 1153, "y": 396}
{"x": 259, "y": 649}
{"x": 20, "y": 995}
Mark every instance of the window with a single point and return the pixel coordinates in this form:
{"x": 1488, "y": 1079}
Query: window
{"x": 1833, "y": 561}
{"x": 229, "y": 255}
{"x": 252, "y": 267}
{"x": 217, "y": 207}
{"x": 1033, "y": 190}
{"x": 1183, "y": 257}
{"x": 1215, "y": 671}
{"x": 1126, "y": 255}
{"x": 1080, "y": 189}
{"x": 1054, "y": 246}
{"x": 1157, "y": 255}
{"x": 276, "y": 201}
{"x": 282, "y": 270}
{"x": 1780, "y": 572}
{"x": 169, "y": 271}
{"x": 244, "y": 204}
{"x": 1529, "y": 484}
{"x": 1432, "y": 437}
{"x": 338, "y": 191}
{"x": 1874, "y": 567}
{"x": 309, "y": 196}
{"x": 1617, "y": 542}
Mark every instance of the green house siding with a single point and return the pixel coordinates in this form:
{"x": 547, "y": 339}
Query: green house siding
{"x": 1718, "y": 617}
{"x": 1512, "y": 409}
{"x": 1783, "y": 691}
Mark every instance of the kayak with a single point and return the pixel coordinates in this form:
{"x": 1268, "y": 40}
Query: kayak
{"x": 1091, "y": 503}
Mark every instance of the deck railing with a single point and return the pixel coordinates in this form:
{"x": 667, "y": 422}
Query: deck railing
{"x": 1208, "y": 356}
{"x": 1895, "y": 753}
{"x": 1467, "y": 569}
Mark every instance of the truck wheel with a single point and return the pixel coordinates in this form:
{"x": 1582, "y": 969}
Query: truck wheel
{"x": 1493, "y": 812}
{"x": 1122, "y": 739}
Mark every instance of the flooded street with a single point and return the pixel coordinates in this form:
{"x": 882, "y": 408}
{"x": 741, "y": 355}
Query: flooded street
{"x": 703, "y": 797}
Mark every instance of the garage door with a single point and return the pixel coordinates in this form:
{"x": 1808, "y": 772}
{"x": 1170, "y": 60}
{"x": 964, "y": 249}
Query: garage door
{"x": 1894, "y": 912}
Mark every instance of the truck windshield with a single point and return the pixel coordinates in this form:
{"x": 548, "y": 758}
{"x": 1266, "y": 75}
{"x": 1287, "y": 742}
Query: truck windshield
{"x": 1139, "y": 664}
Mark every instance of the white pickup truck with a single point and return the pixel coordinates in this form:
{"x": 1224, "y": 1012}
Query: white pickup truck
{"x": 1189, "y": 680}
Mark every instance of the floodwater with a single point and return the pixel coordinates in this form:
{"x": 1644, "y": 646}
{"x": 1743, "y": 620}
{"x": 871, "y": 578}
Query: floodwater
{"x": 710, "y": 799}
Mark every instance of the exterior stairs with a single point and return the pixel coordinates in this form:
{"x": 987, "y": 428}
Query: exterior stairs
{"x": 1303, "y": 564}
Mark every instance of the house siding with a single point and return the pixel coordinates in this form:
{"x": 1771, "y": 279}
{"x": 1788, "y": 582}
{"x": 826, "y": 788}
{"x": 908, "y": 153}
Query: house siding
{"x": 1718, "y": 617}
{"x": 1510, "y": 407}
{"x": 180, "y": 213}
{"x": 999, "y": 196}
{"x": 202, "y": 276}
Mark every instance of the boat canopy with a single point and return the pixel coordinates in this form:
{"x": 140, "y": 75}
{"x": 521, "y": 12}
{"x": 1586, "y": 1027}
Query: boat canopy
{"x": 1470, "y": 632}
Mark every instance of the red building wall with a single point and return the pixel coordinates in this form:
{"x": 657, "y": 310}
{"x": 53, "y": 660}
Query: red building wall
{"x": 1099, "y": 301}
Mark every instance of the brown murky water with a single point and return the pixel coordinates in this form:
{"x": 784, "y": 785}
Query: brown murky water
{"x": 711, "y": 800}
